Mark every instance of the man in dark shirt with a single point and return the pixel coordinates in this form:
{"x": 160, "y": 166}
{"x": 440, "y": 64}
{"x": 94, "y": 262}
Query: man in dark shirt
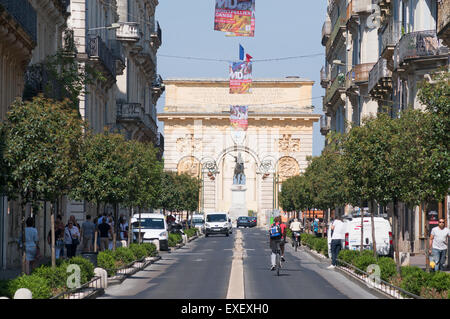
{"x": 104, "y": 229}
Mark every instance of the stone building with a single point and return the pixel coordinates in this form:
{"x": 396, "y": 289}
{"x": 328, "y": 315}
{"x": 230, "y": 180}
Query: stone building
{"x": 200, "y": 141}
{"x": 391, "y": 46}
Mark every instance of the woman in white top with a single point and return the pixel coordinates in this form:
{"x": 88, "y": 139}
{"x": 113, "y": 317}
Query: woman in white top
{"x": 71, "y": 239}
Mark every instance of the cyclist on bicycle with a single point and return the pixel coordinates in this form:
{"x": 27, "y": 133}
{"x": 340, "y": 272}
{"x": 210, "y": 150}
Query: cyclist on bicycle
{"x": 296, "y": 226}
{"x": 275, "y": 242}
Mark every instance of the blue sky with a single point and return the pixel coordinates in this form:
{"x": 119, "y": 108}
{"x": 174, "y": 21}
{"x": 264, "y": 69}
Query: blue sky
{"x": 284, "y": 28}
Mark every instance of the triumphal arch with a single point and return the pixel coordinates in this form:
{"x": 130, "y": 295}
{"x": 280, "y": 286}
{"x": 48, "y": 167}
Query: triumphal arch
{"x": 242, "y": 166}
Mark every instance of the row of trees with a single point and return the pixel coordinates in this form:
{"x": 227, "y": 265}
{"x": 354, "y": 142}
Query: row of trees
{"x": 383, "y": 161}
{"x": 48, "y": 152}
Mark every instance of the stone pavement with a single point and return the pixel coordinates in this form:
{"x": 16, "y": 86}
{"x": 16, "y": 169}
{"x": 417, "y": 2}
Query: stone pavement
{"x": 419, "y": 261}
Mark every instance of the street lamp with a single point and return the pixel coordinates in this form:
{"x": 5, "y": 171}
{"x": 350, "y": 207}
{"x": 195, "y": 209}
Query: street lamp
{"x": 113, "y": 26}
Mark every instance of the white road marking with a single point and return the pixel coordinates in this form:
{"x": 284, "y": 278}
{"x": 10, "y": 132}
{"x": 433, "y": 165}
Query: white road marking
{"x": 236, "y": 283}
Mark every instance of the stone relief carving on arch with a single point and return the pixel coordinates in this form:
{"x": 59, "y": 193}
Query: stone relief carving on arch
{"x": 287, "y": 144}
{"x": 188, "y": 144}
{"x": 190, "y": 166}
{"x": 287, "y": 167}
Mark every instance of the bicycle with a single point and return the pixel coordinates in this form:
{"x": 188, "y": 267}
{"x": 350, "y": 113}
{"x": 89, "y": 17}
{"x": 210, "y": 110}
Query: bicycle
{"x": 278, "y": 258}
{"x": 296, "y": 236}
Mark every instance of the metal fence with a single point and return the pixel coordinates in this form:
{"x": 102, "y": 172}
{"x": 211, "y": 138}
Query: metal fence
{"x": 382, "y": 285}
{"x": 84, "y": 291}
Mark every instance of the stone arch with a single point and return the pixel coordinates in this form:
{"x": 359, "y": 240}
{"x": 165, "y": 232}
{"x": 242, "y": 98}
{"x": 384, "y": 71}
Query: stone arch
{"x": 238, "y": 149}
{"x": 286, "y": 167}
{"x": 189, "y": 165}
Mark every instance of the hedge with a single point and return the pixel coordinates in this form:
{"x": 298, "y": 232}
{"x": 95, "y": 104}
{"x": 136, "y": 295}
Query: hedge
{"x": 191, "y": 232}
{"x": 46, "y": 281}
{"x": 411, "y": 278}
{"x": 317, "y": 243}
{"x": 174, "y": 239}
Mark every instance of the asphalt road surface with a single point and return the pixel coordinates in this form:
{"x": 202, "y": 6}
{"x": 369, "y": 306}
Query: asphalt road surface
{"x": 202, "y": 270}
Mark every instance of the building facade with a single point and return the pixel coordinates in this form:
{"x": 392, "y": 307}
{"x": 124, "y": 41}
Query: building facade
{"x": 388, "y": 47}
{"x": 201, "y": 142}
{"x": 30, "y": 32}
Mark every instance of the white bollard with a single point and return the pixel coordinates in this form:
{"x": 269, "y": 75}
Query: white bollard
{"x": 104, "y": 276}
{"x": 185, "y": 239}
{"x": 124, "y": 243}
{"x": 156, "y": 242}
{"x": 23, "y": 293}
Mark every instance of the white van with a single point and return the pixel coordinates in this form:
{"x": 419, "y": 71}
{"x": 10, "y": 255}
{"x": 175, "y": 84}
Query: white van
{"x": 352, "y": 231}
{"x": 217, "y": 223}
{"x": 153, "y": 227}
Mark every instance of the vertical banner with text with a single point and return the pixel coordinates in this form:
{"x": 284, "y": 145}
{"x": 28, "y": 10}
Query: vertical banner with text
{"x": 240, "y": 77}
{"x": 236, "y": 17}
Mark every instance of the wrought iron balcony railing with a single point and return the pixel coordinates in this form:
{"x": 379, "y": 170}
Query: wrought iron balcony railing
{"x": 421, "y": 44}
{"x": 97, "y": 49}
{"x": 360, "y": 72}
{"x": 324, "y": 124}
{"x": 338, "y": 84}
{"x": 378, "y": 73}
{"x": 23, "y": 12}
{"x": 390, "y": 37}
{"x": 156, "y": 36}
{"x": 339, "y": 25}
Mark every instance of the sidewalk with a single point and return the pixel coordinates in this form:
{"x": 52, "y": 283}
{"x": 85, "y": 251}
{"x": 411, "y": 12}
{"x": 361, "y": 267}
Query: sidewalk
{"x": 419, "y": 261}
{"x": 12, "y": 273}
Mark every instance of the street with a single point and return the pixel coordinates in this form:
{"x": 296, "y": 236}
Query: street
{"x": 201, "y": 270}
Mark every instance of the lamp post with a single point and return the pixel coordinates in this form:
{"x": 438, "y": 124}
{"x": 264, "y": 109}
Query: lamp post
{"x": 209, "y": 167}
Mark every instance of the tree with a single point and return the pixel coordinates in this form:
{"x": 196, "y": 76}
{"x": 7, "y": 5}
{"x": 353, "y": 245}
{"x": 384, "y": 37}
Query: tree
{"x": 106, "y": 163}
{"x": 41, "y": 152}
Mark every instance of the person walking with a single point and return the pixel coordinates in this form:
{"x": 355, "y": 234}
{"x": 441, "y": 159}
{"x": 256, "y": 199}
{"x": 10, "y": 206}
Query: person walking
{"x": 123, "y": 228}
{"x": 104, "y": 229}
{"x": 32, "y": 252}
{"x": 59, "y": 237}
{"x": 337, "y": 235}
{"x": 316, "y": 226}
{"x": 87, "y": 235}
{"x": 71, "y": 239}
{"x": 439, "y": 244}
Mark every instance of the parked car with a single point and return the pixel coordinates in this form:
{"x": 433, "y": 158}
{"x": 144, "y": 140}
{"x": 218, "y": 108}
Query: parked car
{"x": 197, "y": 221}
{"x": 352, "y": 231}
{"x": 244, "y": 221}
{"x": 254, "y": 221}
{"x": 217, "y": 223}
{"x": 153, "y": 227}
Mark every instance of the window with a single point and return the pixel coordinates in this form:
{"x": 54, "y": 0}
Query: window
{"x": 216, "y": 218}
{"x": 149, "y": 223}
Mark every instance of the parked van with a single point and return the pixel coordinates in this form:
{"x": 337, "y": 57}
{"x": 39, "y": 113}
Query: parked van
{"x": 153, "y": 227}
{"x": 352, "y": 231}
{"x": 217, "y": 223}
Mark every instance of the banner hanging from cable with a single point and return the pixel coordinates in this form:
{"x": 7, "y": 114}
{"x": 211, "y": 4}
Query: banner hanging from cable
{"x": 239, "y": 117}
{"x": 236, "y": 17}
{"x": 240, "y": 77}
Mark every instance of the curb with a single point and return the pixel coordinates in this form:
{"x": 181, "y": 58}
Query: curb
{"x": 118, "y": 279}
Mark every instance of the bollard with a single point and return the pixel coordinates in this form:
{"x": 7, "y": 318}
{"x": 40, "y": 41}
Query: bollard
{"x": 23, "y": 293}
{"x": 124, "y": 243}
{"x": 185, "y": 239}
{"x": 156, "y": 242}
{"x": 104, "y": 276}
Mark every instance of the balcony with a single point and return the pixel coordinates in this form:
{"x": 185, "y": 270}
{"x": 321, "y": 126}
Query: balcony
{"x": 156, "y": 37}
{"x": 130, "y": 113}
{"x": 23, "y": 12}
{"x": 324, "y": 79}
{"x": 98, "y": 52}
{"x": 128, "y": 32}
{"x": 157, "y": 88}
{"x": 146, "y": 58}
{"x": 443, "y": 25}
{"x": 119, "y": 56}
{"x": 359, "y": 74}
{"x": 338, "y": 27}
{"x": 326, "y": 31}
{"x": 380, "y": 80}
{"x": 419, "y": 46}
{"x": 389, "y": 39}
{"x": 338, "y": 86}
{"x": 357, "y": 7}
{"x": 324, "y": 124}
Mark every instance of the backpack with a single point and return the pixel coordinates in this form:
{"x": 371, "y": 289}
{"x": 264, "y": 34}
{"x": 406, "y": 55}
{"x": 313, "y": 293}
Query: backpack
{"x": 275, "y": 231}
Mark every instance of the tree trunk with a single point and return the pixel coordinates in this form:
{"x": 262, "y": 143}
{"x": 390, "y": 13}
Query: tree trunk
{"x": 372, "y": 220}
{"x": 140, "y": 236}
{"x": 24, "y": 259}
{"x": 52, "y": 229}
{"x": 427, "y": 238}
{"x": 130, "y": 230}
{"x": 396, "y": 236}
{"x": 362, "y": 229}
{"x": 116, "y": 225}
